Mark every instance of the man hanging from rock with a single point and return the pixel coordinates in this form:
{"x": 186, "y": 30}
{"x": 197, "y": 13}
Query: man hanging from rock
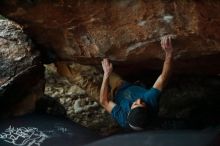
{"x": 133, "y": 106}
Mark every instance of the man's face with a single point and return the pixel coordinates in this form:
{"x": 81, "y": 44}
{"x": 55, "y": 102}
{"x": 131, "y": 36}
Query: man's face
{"x": 138, "y": 103}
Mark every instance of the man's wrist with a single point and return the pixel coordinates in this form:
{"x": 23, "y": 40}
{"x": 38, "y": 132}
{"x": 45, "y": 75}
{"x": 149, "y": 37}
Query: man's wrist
{"x": 169, "y": 55}
{"x": 106, "y": 75}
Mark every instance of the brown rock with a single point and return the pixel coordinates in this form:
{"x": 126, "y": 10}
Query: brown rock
{"x": 21, "y": 73}
{"x": 128, "y": 32}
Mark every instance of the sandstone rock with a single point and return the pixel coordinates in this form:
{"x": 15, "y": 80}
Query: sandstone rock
{"x": 86, "y": 77}
{"x": 21, "y": 72}
{"x": 80, "y": 106}
{"x": 195, "y": 98}
{"x": 75, "y": 90}
{"x": 86, "y": 111}
{"x": 127, "y": 32}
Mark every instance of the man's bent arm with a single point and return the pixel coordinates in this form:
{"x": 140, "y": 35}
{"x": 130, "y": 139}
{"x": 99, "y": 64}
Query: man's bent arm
{"x": 104, "y": 91}
{"x": 162, "y": 80}
{"x": 166, "y": 72}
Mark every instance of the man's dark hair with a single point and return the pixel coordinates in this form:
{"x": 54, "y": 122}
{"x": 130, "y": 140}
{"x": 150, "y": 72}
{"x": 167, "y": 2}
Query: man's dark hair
{"x": 138, "y": 118}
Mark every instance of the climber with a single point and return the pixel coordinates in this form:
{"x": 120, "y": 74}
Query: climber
{"x": 134, "y": 106}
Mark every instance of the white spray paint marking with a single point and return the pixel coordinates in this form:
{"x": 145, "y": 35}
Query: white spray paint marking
{"x": 168, "y": 18}
{"x": 142, "y": 23}
{"x": 140, "y": 44}
{"x": 23, "y": 136}
{"x": 136, "y": 45}
{"x": 61, "y": 128}
{"x": 145, "y": 43}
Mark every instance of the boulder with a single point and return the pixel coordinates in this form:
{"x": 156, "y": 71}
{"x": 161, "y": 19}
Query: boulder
{"x": 127, "y": 32}
{"x": 21, "y": 71}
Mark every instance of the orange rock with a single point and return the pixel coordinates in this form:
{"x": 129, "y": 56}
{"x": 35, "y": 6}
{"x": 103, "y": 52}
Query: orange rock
{"x": 128, "y": 32}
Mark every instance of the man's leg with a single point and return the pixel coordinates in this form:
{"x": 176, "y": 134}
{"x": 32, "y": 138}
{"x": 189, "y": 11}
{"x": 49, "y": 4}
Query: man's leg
{"x": 115, "y": 81}
{"x": 87, "y": 83}
{"x": 82, "y": 76}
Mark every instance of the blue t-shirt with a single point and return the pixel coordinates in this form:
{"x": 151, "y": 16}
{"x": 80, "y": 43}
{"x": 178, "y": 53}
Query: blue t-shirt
{"x": 126, "y": 95}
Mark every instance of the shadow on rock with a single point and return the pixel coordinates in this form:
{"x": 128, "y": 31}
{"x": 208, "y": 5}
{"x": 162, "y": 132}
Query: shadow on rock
{"x": 192, "y": 99}
{"x": 47, "y": 104}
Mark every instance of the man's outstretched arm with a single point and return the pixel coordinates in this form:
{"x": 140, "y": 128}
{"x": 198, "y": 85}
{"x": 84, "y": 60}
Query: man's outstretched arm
{"x": 166, "y": 45}
{"x": 104, "y": 91}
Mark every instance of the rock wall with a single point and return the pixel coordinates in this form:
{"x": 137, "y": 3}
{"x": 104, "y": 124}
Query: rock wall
{"x": 21, "y": 71}
{"x": 126, "y": 31}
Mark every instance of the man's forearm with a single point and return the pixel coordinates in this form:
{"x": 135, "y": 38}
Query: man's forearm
{"x": 104, "y": 90}
{"x": 167, "y": 67}
{"x": 166, "y": 71}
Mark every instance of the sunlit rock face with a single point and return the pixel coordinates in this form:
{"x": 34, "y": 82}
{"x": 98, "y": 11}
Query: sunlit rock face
{"x": 21, "y": 72}
{"x": 126, "y": 31}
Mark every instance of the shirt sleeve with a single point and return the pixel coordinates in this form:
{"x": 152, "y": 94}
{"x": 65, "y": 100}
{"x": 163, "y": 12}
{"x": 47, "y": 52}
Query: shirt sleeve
{"x": 151, "y": 97}
{"x": 119, "y": 115}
